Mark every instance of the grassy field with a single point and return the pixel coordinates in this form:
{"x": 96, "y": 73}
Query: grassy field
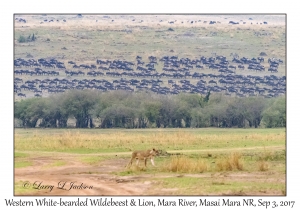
{"x": 217, "y": 161}
{"x": 206, "y": 161}
{"x": 120, "y": 140}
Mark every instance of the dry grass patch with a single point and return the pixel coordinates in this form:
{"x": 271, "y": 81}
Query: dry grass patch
{"x": 263, "y": 166}
{"x": 272, "y": 155}
{"x": 185, "y": 164}
{"x": 232, "y": 162}
{"x": 121, "y": 140}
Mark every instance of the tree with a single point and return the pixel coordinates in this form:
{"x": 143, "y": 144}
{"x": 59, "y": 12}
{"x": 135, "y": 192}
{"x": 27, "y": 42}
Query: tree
{"x": 140, "y": 110}
{"x": 200, "y": 118}
{"x": 206, "y": 99}
{"x": 33, "y": 38}
{"x": 152, "y": 110}
{"x": 275, "y": 114}
{"x": 217, "y": 109}
{"x": 30, "y": 111}
{"x": 54, "y": 115}
{"x": 193, "y": 100}
{"x": 118, "y": 115}
{"x": 80, "y": 105}
{"x": 254, "y": 107}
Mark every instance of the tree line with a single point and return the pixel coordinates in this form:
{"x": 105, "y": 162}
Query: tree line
{"x": 121, "y": 109}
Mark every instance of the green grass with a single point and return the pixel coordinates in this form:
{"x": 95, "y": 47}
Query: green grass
{"x": 21, "y": 160}
{"x": 57, "y": 163}
{"x": 92, "y": 160}
{"x": 140, "y": 170}
{"x": 217, "y": 186}
{"x": 19, "y": 189}
{"x": 20, "y": 155}
{"x": 22, "y": 164}
{"x": 126, "y": 173}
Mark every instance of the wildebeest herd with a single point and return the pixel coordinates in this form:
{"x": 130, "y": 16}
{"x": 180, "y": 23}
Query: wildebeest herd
{"x": 165, "y": 75}
{"x": 52, "y": 20}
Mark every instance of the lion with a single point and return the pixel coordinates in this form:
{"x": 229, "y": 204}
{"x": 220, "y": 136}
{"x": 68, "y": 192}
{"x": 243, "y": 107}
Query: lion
{"x": 143, "y": 155}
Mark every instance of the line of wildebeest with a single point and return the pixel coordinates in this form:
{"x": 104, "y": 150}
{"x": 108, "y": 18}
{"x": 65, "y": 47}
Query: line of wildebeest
{"x": 52, "y": 19}
{"x": 138, "y": 75}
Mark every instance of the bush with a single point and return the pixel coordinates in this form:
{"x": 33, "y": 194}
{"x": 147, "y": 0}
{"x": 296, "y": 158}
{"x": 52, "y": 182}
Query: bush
{"x": 30, "y": 38}
{"x": 275, "y": 115}
{"x": 22, "y": 39}
{"x": 263, "y": 54}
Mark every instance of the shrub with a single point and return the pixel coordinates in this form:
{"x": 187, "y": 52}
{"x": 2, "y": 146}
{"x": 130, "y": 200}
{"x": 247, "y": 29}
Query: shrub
{"x": 22, "y": 39}
{"x": 263, "y": 54}
{"x": 30, "y": 38}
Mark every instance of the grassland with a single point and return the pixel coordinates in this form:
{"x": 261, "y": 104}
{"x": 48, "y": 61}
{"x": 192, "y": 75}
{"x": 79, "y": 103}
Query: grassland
{"x": 204, "y": 162}
{"x": 120, "y": 140}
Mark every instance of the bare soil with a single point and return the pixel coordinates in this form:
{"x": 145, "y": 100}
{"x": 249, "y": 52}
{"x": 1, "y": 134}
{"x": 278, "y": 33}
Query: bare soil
{"x": 97, "y": 176}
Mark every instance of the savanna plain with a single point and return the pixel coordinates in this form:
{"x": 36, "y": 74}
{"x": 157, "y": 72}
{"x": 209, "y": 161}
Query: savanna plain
{"x": 202, "y": 161}
{"x": 208, "y": 161}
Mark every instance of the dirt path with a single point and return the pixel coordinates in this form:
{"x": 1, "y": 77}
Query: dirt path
{"x": 76, "y": 178}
